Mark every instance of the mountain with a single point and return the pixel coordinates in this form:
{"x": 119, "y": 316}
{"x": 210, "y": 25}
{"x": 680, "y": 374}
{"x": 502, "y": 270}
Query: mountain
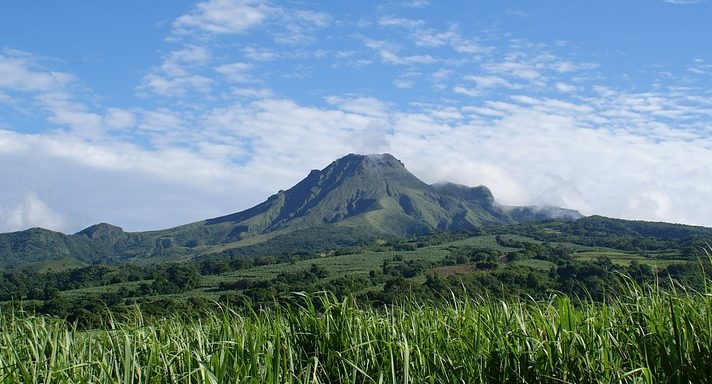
{"x": 368, "y": 191}
{"x": 357, "y": 198}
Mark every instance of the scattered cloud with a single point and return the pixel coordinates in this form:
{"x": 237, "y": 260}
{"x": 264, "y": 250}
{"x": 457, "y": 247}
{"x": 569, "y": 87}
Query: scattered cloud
{"x": 389, "y": 54}
{"x": 176, "y": 76}
{"x": 235, "y": 72}
{"x": 19, "y": 71}
{"x": 490, "y": 81}
{"x": 223, "y": 17}
{"x": 700, "y": 67}
{"x": 179, "y": 62}
{"x": 117, "y": 118}
{"x": 683, "y": 2}
{"x": 64, "y": 111}
{"x": 390, "y": 21}
{"x": 565, "y": 87}
{"x": 403, "y": 83}
{"x": 167, "y": 86}
{"x": 260, "y": 54}
{"x": 417, "y": 3}
{"x": 658, "y": 169}
{"x": 300, "y": 25}
{"x": 517, "y": 69}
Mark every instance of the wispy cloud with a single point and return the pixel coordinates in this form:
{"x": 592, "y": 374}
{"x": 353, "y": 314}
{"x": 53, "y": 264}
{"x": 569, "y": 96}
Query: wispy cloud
{"x": 20, "y": 72}
{"x": 300, "y": 26}
{"x": 235, "y": 72}
{"x": 683, "y": 2}
{"x": 176, "y": 76}
{"x": 390, "y": 21}
{"x": 52, "y": 94}
{"x": 700, "y": 67}
{"x": 388, "y": 53}
{"x": 223, "y": 17}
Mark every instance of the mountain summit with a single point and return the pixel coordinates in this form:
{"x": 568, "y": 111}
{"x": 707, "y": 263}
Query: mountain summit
{"x": 355, "y": 198}
{"x": 370, "y": 192}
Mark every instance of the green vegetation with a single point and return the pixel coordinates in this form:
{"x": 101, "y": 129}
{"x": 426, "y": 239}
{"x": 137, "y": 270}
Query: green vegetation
{"x": 641, "y": 335}
{"x": 386, "y": 272}
{"x": 383, "y": 298}
{"x": 626, "y": 235}
{"x": 536, "y": 302}
{"x": 356, "y": 200}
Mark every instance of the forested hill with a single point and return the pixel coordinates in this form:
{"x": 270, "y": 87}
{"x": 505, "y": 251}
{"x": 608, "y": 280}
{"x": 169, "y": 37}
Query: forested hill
{"x": 617, "y": 233}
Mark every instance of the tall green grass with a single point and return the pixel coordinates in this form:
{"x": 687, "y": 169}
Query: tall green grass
{"x": 643, "y": 335}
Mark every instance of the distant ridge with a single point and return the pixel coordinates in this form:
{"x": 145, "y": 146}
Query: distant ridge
{"x": 355, "y": 198}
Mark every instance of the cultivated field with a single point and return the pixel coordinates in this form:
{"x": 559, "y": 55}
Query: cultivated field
{"x": 641, "y": 336}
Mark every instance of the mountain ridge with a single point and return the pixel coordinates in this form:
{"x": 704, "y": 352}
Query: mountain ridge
{"x": 365, "y": 196}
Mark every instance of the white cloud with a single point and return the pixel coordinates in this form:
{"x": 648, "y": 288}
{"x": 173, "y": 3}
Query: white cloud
{"x": 176, "y": 75}
{"x": 563, "y": 66}
{"x": 116, "y": 118}
{"x": 403, "y": 83}
{"x": 252, "y": 93}
{"x": 417, "y": 3}
{"x": 431, "y": 38}
{"x": 528, "y": 150}
{"x": 18, "y": 71}
{"x": 683, "y": 2}
{"x": 700, "y": 67}
{"x": 160, "y": 120}
{"x": 471, "y": 92}
{"x": 260, "y": 54}
{"x": 116, "y": 182}
{"x": 565, "y": 87}
{"x": 533, "y": 64}
{"x": 177, "y": 63}
{"x": 299, "y": 25}
{"x": 64, "y": 111}
{"x": 517, "y": 69}
{"x": 317, "y": 19}
{"x": 390, "y": 21}
{"x": 48, "y": 92}
{"x": 28, "y": 213}
{"x": 223, "y": 17}
{"x": 490, "y": 81}
{"x": 367, "y": 106}
{"x": 389, "y": 54}
{"x": 173, "y": 86}
{"x": 235, "y": 72}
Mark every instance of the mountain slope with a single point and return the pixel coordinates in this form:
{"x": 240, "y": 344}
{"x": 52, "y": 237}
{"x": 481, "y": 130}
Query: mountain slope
{"x": 367, "y": 191}
{"x": 357, "y": 198}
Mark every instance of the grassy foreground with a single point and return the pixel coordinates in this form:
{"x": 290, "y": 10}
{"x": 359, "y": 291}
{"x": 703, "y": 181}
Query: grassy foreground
{"x": 642, "y": 336}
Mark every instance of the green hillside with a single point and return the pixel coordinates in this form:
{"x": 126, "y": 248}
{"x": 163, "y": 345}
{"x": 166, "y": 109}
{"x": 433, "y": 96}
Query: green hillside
{"x": 357, "y": 199}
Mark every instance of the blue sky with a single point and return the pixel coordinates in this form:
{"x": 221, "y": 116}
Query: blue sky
{"x": 153, "y": 114}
